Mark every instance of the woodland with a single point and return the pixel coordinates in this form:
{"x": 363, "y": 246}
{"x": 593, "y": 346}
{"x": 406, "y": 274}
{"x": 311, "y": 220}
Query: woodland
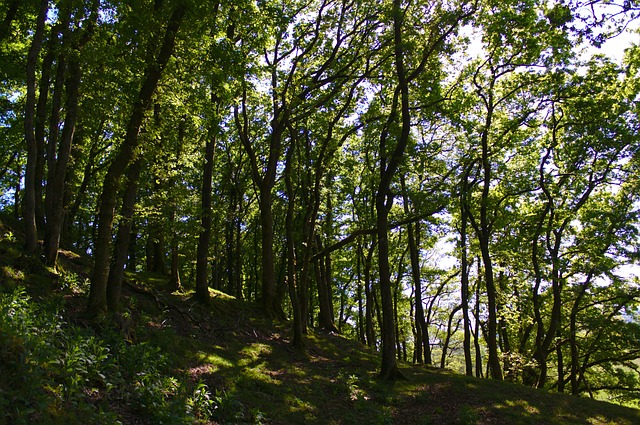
{"x": 450, "y": 184}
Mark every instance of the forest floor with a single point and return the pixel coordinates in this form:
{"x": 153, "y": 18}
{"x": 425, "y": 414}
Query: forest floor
{"x": 175, "y": 361}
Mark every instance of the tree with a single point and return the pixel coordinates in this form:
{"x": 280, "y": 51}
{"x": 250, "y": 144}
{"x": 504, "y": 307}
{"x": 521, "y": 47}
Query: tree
{"x": 31, "y": 231}
{"x": 126, "y": 152}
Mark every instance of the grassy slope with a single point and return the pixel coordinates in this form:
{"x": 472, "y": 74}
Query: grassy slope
{"x": 254, "y": 376}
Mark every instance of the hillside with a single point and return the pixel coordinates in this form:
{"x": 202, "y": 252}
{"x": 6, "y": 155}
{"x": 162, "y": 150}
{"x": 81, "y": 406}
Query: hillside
{"x": 173, "y": 361}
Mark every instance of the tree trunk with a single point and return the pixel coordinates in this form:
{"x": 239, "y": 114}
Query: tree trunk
{"x": 29, "y": 216}
{"x": 464, "y": 282}
{"x": 483, "y": 231}
{"x": 447, "y": 339}
{"x": 503, "y": 332}
{"x": 422, "y": 346}
{"x": 298, "y": 334}
{"x": 389, "y": 368}
{"x": 268, "y": 259}
{"x": 368, "y": 290}
{"x": 98, "y": 291}
{"x": 573, "y": 336}
{"x": 41, "y": 119}
{"x": 174, "y": 274}
{"x": 325, "y": 304}
{"x": 265, "y": 183}
{"x": 121, "y": 246}
{"x": 56, "y": 186}
{"x": 359, "y": 295}
{"x": 17, "y": 206}
{"x": 476, "y": 334}
{"x": 202, "y": 255}
{"x": 559, "y": 362}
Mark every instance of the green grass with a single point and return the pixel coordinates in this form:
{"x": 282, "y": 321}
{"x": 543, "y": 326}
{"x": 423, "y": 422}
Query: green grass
{"x": 225, "y": 363}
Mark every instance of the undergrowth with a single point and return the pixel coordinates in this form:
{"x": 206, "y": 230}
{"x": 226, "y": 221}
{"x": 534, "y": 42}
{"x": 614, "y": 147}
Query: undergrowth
{"x": 55, "y": 372}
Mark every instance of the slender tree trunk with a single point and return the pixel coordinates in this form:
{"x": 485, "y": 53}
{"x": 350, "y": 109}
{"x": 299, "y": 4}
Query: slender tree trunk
{"x": 447, "y": 339}
{"x": 421, "y": 343}
{"x": 17, "y": 206}
{"x": 384, "y": 198}
{"x": 464, "y": 283}
{"x": 325, "y": 320}
{"x": 476, "y": 335}
{"x": 202, "y": 255}
{"x": 265, "y": 184}
{"x": 121, "y": 246}
{"x": 132, "y": 262}
{"x": 174, "y": 274}
{"x": 31, "y": 231}
{"x": 370, "y": 331}
{"x": 239, "y": 255}
{"x": 396, "y": 294}
{"x": 503, "y": 331}
{"x": 298, "y": 334}
{"x": 359, "y": 295}
{"x": 559, "y": 362}
{"x": 55, "y": 117}
{"x": 56, "y": 186}
{"x": 573, "y": 336}
{"x": 41, "y": 119}
{"x": 483, "y": 230}
{"x": 268, "y": 259}
{"x": 108, "y": 199}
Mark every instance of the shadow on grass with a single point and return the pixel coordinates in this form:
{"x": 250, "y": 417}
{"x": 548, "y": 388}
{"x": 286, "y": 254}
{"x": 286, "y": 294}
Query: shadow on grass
{"x": 248, "y": 363}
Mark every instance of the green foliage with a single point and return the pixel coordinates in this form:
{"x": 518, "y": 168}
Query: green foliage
{"x": 47, "y": 367}
{"x": 54, "y": 372}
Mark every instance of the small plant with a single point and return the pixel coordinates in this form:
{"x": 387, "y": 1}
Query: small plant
{"x": 201, "y": 405}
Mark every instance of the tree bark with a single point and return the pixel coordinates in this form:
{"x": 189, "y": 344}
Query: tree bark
{"x": 121, "y": 246}
{"x": 174, "y": 274}
{"x": 359, "y": 295}
{"x": 368, "y": 290}
{"x": 464, "y": 279}
{"x": 298, "y": 331}
{"x": 97, "y": 293}
{"x": 202, "y": 255}
{"x": 447, "y": 339}
{"x": 422, "y": 334}
{"x": 325, "y": 304}
{"x": 56, "y": 185}
{"x": 265, "y": 183}
{"x": 29, "y": 216}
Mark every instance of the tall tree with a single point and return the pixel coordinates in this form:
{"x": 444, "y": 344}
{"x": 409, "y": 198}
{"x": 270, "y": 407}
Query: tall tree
{"x": 439, "y": 27}
{"x": 31, "y": 231}
{"x": 126, "y": 152}
{"x": 58, "y": 166}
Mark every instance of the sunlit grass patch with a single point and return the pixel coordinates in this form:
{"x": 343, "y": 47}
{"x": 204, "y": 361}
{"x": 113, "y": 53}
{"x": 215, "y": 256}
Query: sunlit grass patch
{"x": 253, "y": 352}
{"x": 215, "y": 360}
{"x": 9, "y": 272}
{"x": 523, "y": 405}
{"x": 601, "y": 420}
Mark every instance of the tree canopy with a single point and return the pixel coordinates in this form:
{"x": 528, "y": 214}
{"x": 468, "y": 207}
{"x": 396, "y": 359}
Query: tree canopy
{"x": 448, "y": 182}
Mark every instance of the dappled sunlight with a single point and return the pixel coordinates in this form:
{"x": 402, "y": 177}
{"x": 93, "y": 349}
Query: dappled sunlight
{"x": 253, "y": 352}
{"x": 517, "y": 405}
{"x": 9, "y": 272}
{"x": 601, "y": 420}
{"x": 215, "y": 360}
